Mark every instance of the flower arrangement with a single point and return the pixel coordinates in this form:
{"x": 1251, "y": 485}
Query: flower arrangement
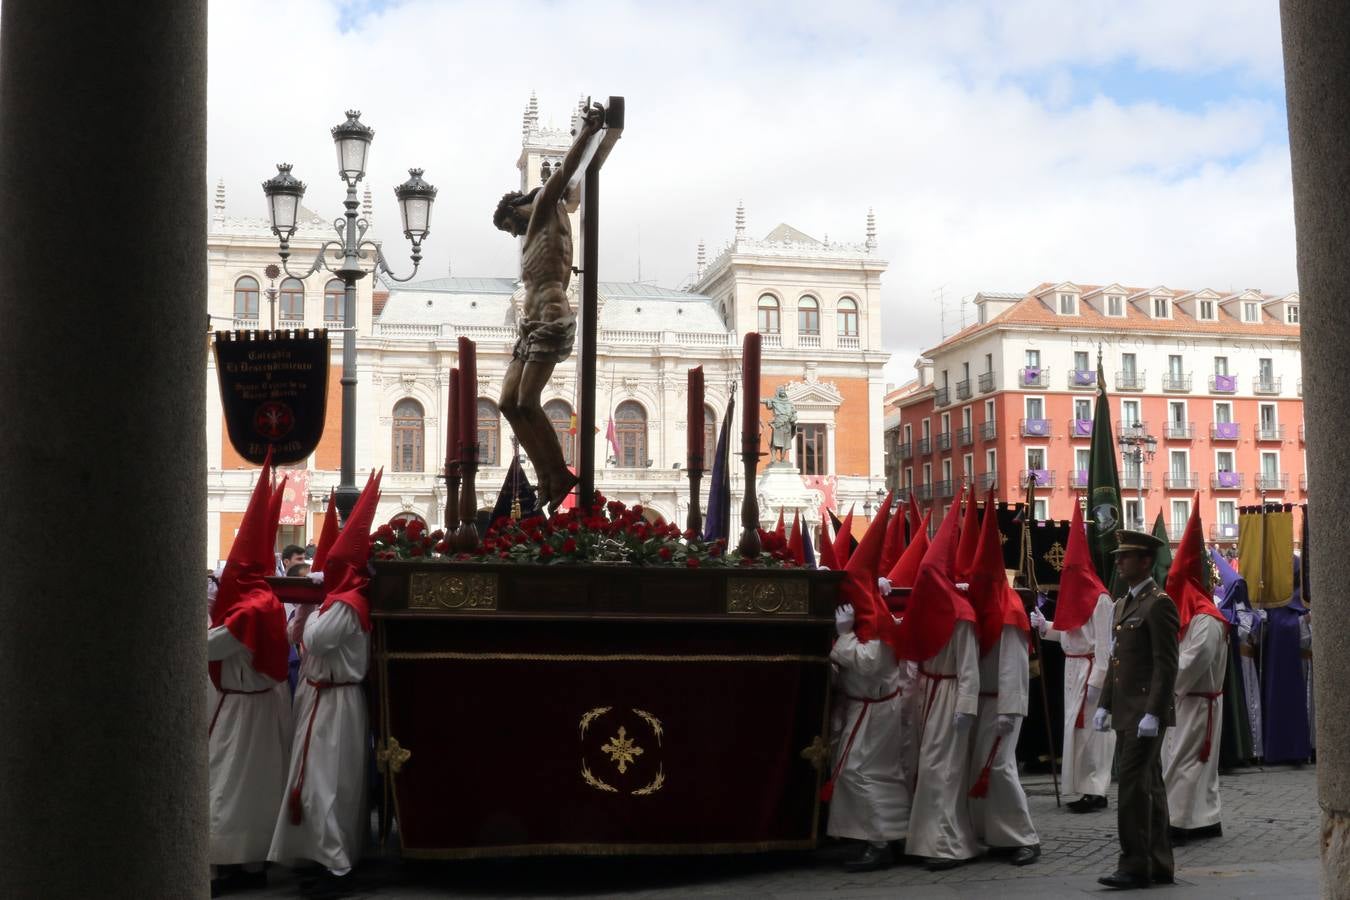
{"x": 607, "y": 532}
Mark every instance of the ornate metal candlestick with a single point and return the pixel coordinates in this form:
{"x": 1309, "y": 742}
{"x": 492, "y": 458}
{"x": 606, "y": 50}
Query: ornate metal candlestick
{"x": 694, "y": 522}
{"x": 468, "y": 498}
{"x": 750, "y": 544}
{"x": 451, "y": 499}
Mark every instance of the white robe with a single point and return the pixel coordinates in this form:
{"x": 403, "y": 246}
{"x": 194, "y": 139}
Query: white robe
{"x": 1250, "y": 638}
{"x": 1192, "y": 785}
{"x": 246, "y": 752}
{"x": 911, "y": 708}
{"x": 1001, "y": 819}
{"x": 939, "y": 821}
{"x": 335, "y": 822}
{"x": 871, "y": 797}
{"x": 1087, "y": 752}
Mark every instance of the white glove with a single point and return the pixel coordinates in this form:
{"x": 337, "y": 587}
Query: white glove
{"x": 1148, "y": 725}
{"x": 1038, "y": 622}
{"x": 843, "y": 619}
{"x": 316, "y": 577}
{"x": 963, "y": 585}
{"x": 884, "y": 585}
{"x": 1100, "y": 719}
{"x": 1003, "y": 725}
{"x": 1094, "y": 694}
{"x": 1262, "y": 614}
{"x": 963, "y": 721}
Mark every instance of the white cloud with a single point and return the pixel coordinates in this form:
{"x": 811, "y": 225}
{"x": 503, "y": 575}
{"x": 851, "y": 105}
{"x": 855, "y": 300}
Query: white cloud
{"x": 811, "y": 113}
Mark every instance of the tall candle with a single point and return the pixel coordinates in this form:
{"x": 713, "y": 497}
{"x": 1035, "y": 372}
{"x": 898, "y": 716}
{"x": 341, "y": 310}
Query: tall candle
{"x": 694, "y": 419}
{"x": 452, "y": 422}
{"x": 750, "y": 393}
{"x": 468, "y": 399}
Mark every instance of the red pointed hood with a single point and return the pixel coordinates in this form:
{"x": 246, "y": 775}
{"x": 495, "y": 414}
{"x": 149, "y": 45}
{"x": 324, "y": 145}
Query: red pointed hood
{"x": 796, "y": 549}
{"x": 781, "y": 528}
{"x": 843, "y": 539}
{"x": 970, "y": 539}
{"x": 827, "y": 557}
{"x": 1185, "y": 581}
{"x": 894, "y": 544}
{"x": 915, "y": 517}
{"x": 1079, "y": 585}
{"x": 871, "y": 619}
{"x": 996, "y": 603}
{"x": 244, "y": 602}
{"x": 327, "y": 534}
{"x": 935, "y": 605}
{"x": 346, "y": 578}
{"x": 906, "y": 569}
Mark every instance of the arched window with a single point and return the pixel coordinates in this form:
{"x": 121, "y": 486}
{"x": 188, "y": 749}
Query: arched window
{"x": 808, "y": 316}
{"x": 559, "y": 414}
{"x": 246, "y": 298}
{"x": 334, "y": 292}
{"x": 709, "y": 437}
{"x": 292, "y": 299}
{"x": 409, "y": 437}
{"x": 768, "y": 314}
{"x": 489, "y": 433}
{"x": 630, "y": 425}
{"x": 848, "y": 317}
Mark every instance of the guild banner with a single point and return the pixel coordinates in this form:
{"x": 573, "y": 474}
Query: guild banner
{"x": 274, "y": 391}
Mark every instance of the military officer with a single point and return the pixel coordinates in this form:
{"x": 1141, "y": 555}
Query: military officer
{"x": 1137, "y": 701}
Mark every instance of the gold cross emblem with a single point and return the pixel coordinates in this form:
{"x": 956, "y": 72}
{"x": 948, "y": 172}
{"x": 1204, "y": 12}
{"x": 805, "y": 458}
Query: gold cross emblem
{"x": 1055, "y": 556}
{"x": 621, "y": 750}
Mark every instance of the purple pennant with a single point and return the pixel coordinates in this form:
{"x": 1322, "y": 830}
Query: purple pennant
{"x": 1225, "y": 383}
{"x": 1042, "y": 475}
{"x": 1227, "y": 431}
{"x": 1230, "y": 479}
{"x": 1082, "y": 428}
{"x": 1038, "y": 427}
{"x": 1084, "y": 377}
{"x": 1031, "y": 375}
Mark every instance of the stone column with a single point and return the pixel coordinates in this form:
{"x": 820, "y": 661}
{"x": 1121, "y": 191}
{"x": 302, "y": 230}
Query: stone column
{"x": 102, "y": 360}
{"x": 1317, "y": 82}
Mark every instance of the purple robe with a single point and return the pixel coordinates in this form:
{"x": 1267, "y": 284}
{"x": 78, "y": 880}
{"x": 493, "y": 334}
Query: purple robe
{"x": 1284, "y": 692}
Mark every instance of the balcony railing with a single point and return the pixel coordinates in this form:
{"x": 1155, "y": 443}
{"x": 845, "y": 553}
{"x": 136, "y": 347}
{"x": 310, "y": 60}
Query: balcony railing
{"x": 1082, "y": 378}
{"x": 1303, "y": 482}
{"x": 988, "y": 430}
{"x": 1300, "y": 387}
{"x": 1044, "y": 477}
{"x": 1225, "y": 431}
{"x": 1270, "y": 385}
{"x": 848, "y": 343}
{"x": 1136, "y": 480}
{"x": 942, "y": 397}
{"x": 1130, "y": 381}
{"x": 245, "y": 323}
{"x": 1272, "y": 481}
{"x": 924, "y": 492}
{"x": 945, "y": 488}
{"x": 808, "y": 340}
{"x": 1227, "y": 481}
{"x": 1131, "y": 429}
{"x": 1269, "y": 432}
{"x": 1179, "y": 431}
{"x": 902, "y": 494}
{"x": 925, "y": 446}
{"x": 906, "y": 450}
{"x": 1181, "y": 481}
{"x": 1176, "y": 382}
{"x": 771, "y": 338}
{"x": 1082, "y": 428}
{"x": 286, "y": 324}
{"x": 1223, "y": 531}
{"x": 1079, "y": 478}
{"x": 965, "y": 437}
{"x": 988, "y": 480}
{"x": 986, "y": 382}
{"x": 1223, "y": 384}
{"x": 1034, "y": 376}
{"x": 963, "y": 389}
{"x": 1176, "y": 531}
{"x": 1036, "y": 428}
{"x": 944, "y": 440}
{"x": 1302, "y": 433}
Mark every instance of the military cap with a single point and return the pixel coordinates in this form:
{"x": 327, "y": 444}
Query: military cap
{"x": 1136, "y": 541}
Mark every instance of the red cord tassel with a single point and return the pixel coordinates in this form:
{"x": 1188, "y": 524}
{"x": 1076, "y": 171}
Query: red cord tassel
{"x": 981, "y": 787}
{"x": 827, "y": 791}
{"x": 297, "y": 811}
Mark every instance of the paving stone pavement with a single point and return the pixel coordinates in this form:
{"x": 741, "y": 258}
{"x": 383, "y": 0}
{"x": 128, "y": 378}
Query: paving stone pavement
{"x": 1269, "y": 848}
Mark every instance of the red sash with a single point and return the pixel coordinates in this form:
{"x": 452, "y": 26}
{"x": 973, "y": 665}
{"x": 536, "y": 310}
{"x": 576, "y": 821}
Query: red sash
{"x": 1210, "y": 696}
{"x": 827, "y": 791}
{"x": 1082, "y": 707}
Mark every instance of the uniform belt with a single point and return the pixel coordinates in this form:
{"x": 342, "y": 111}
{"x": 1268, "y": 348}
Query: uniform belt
{"x": 1210, "y": 696}
{"x": 1080, "y": 722}
{"x": 225, "y": 692}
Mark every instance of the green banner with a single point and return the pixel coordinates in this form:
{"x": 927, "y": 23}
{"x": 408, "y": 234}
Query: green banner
{"x": 1103, "y": 506}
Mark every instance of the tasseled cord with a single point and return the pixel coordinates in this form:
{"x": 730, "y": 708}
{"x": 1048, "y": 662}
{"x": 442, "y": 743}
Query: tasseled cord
{"x": 980, "y": 789}
{"x": 296, "y": 810}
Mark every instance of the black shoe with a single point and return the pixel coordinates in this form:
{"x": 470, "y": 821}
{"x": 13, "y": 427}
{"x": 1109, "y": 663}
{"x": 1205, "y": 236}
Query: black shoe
{"x": 327, "y": 886}
{"x": 1025, "y": 856}
{"x": 1123, "y": 881}
{"x": 1087, "y": 803}
{"x": 233, "y": 879}
{"x": 1207, "y": 831}
{"x": 1177, "y": 836}
{"x": 936, "y": 864}
{"x": 873, "y": 858}
{"x": 1164, "y": 878}
{"x": 841, "y": 851}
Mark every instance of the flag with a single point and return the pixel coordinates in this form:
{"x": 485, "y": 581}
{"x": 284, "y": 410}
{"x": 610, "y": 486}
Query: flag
{"x": 1163, "y": 561}
{"x": 718, "y": 523}
{"x": 613, "y": 437}
{"x": 517, "y": 498}
{"x": 1104, "y": 507}
{"x": 572, "y": 424}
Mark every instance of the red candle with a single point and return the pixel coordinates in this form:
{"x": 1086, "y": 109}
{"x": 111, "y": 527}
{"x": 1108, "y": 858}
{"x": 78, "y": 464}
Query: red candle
{"x": 452, "y": 422}
{"x": 750, "y": 393}
{"x": 694, "y": 419}
{"x": 468, "y": 400}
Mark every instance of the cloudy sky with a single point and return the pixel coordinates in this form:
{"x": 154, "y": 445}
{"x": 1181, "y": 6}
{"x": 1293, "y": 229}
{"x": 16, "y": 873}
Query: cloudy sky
{"x": 1001, "y": 143}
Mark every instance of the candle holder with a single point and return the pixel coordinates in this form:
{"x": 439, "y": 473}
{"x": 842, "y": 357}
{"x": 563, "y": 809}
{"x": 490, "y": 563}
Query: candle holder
{"x": 468, "y": 498}
{"x": 694, "y": 521}
{"x": 452, "y": 478}
{"x": 750, "y": 545}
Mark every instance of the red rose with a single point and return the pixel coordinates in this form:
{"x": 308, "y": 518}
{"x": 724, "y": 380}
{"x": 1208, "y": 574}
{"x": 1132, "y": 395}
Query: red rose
{"x": 573, "y": 528}
{"x": 747, "y": 561}
{"x": 664, "y": 553}
{"x": 415, "y": 550}
{"x": 569, "y": 546}
{"x": 716, "y": 548}
{"x": 504, "y": 555}
{"x": 438, "y": 534}
{"x": 546, "y": 551}
{"x": 691, "y": 535}
{"x": 397, "y": 524}
{"x": 414, "y": 529}
{"x": 442, "y": 547}
{"x": 637, "y": 509}
{"x": 691, "y": 562}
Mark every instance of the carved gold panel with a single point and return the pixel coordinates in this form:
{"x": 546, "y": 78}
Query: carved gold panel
{"x": 457, "y": 590}
{"x": 768, "y": 596}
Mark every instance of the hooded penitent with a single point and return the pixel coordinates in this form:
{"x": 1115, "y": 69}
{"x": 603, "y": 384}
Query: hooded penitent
{"x": 871, "y": 619}
{"x": 916, "y": 521}
{"x": 327, "y": 535}
{"x": 346, "y": 578}
{"x": 827, "y": 558}
{"x": 894, "y": 544}
{"x": 1186, "y": 580}
{"x": 970, "y": 539}
{"x": 1079, "y": 586}
{"x": 936, "y": 604}
{"x": 796, "y": 550}
{"x": 905, "y": 572}
{"x": 996, "y": 603}
{"x": 843, "y": 539}
{"x": 244, "y": 602}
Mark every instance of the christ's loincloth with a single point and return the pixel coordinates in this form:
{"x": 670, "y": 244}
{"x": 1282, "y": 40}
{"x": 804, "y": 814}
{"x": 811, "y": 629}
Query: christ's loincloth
{"x": 547, "y": 339}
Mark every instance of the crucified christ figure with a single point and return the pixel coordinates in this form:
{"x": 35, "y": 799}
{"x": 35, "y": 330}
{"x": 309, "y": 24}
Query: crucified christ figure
{"x": 547, "y": 323}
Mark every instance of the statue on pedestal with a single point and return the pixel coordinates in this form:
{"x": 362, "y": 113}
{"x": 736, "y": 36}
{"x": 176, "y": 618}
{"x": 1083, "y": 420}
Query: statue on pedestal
{"x": 783, "y": 425}
{"x": 547, "y": 322}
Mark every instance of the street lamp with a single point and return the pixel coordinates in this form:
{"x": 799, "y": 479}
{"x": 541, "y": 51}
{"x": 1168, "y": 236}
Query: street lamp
{"x": 1137, "y": 446}
{"x": 284, "y": 192}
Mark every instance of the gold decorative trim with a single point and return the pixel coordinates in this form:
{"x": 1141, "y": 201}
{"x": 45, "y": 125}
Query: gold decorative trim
{"x": 768, "y": 596}
{"x": 413, "y": 656}
{"x": 452, "y": 590}
{"x": 604, "y": 849}
{"x": 818, "y": 754}
{"x": 591, "y": 716}
{"x": 594, "y": 782}
{"x": 656, "y": 784}
{"x": 390, "y": 756}
{"x": 652, "y": 722}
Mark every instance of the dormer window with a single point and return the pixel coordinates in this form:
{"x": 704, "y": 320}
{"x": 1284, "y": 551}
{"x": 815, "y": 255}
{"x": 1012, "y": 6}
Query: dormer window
{"x": 1207, "y": 310}
{"x": 1291, "y": 314}
{"x": 1115, "y": 305}
{"x": 1162, "y": 308}
{"x": 1250, "y": 311}
{"x": 1068, "y": 304}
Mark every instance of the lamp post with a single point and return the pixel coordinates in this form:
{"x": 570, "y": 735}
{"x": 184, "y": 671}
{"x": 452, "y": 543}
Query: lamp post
{"x": 1137, "y": 446}
{"x": 284, "y": 192}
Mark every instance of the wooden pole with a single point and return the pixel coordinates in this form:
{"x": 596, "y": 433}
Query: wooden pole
{"x": 1029, "y": 577}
